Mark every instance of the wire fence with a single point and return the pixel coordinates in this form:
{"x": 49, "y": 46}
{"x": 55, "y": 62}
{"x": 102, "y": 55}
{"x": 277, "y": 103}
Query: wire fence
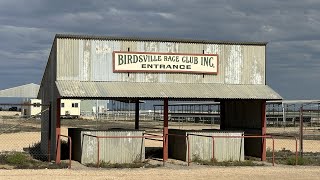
{"x": 20, "y": 128}
{"x": 295, "y": 128}
{"x": 293, "y": 122}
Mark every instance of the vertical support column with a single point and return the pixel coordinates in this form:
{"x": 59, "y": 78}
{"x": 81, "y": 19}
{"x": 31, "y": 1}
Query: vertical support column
{"x": 58, "y": 150}
{"x": 165, "y": 129}
{"x": 136, "y": 124}
{"x": 264, "y": 131}
{"x": 49, "y": 133}
{"x": 222, "y": 115}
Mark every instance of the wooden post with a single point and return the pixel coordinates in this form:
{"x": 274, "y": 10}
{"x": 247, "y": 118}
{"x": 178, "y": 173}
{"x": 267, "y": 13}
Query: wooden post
{"x": 301, "y": 131}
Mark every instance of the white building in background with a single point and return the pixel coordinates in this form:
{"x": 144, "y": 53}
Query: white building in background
{"x": 32, "y": 109}
{"x": 70, "y": 108}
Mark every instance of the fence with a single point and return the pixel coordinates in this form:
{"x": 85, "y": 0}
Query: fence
{"x": 20, "y": 128}
{"x": 293, "y": 127}
{"x": 295, "y": 123}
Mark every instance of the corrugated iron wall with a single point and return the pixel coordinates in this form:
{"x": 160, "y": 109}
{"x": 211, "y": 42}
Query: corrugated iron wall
{"x": 244, "y": 115}
{"x": 225, "y": 149}
{"x": 91, "y": 60}
{"x": 112, "y": 150}
{"x": 48, "y": 94}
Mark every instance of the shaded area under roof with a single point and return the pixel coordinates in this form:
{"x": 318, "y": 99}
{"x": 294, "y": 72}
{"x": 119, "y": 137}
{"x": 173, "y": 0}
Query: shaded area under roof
{"x": 25, "y": 91}
{"x": 95, "y": 37}
{"x": 183, "y": 91}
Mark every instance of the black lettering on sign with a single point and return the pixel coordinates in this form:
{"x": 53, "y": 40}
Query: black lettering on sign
{"x": 120, "y": 59}
{"x": 190, "y": 59}
{"x": 207, "y": 61}
{"x": 129, "y": 59}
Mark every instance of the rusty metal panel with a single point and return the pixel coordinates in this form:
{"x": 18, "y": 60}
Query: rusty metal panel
{"x": 112, "y": 150}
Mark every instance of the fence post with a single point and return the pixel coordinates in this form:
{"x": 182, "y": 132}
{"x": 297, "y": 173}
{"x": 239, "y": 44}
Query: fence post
{"x": 188, "y": 146}
{"x": 301, "y": 131}
{"x": 212, "y": 148}
{"x": 98, "y": 155}
{"x": 272, "y": 151}
{"x": 296, "y": 150}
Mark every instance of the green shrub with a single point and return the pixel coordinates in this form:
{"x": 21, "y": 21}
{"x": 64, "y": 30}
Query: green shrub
{"x": 301, "y": 161}
{"x": 136, "y": 164}
{"x": 20, "y": 160}
{"x": 214, "y": 162}
{"x": 17, "y": 158}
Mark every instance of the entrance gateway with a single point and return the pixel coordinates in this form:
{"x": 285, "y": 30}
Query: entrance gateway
{"x": 134, "y": 69}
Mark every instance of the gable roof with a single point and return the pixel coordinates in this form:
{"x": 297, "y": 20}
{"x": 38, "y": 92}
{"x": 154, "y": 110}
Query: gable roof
{"x": 23, "y": 91}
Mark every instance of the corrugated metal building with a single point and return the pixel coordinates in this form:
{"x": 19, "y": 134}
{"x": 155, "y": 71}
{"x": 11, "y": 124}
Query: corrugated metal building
{"x": 102, "y": 67}
{"x": 24, "y": 91}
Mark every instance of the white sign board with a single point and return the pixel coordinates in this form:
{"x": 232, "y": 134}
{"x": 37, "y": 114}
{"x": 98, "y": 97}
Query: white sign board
{"x": 164, "y": 62}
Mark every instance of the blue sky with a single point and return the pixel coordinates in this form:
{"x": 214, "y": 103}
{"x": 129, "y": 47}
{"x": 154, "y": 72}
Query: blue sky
{"x": 292, "y": 28}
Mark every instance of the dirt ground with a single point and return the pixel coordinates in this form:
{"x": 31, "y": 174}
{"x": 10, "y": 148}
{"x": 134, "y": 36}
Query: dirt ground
{"x": 18, "y": 141}
{"x": 201, "y": 172}
{"x": 21, "y": 140}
